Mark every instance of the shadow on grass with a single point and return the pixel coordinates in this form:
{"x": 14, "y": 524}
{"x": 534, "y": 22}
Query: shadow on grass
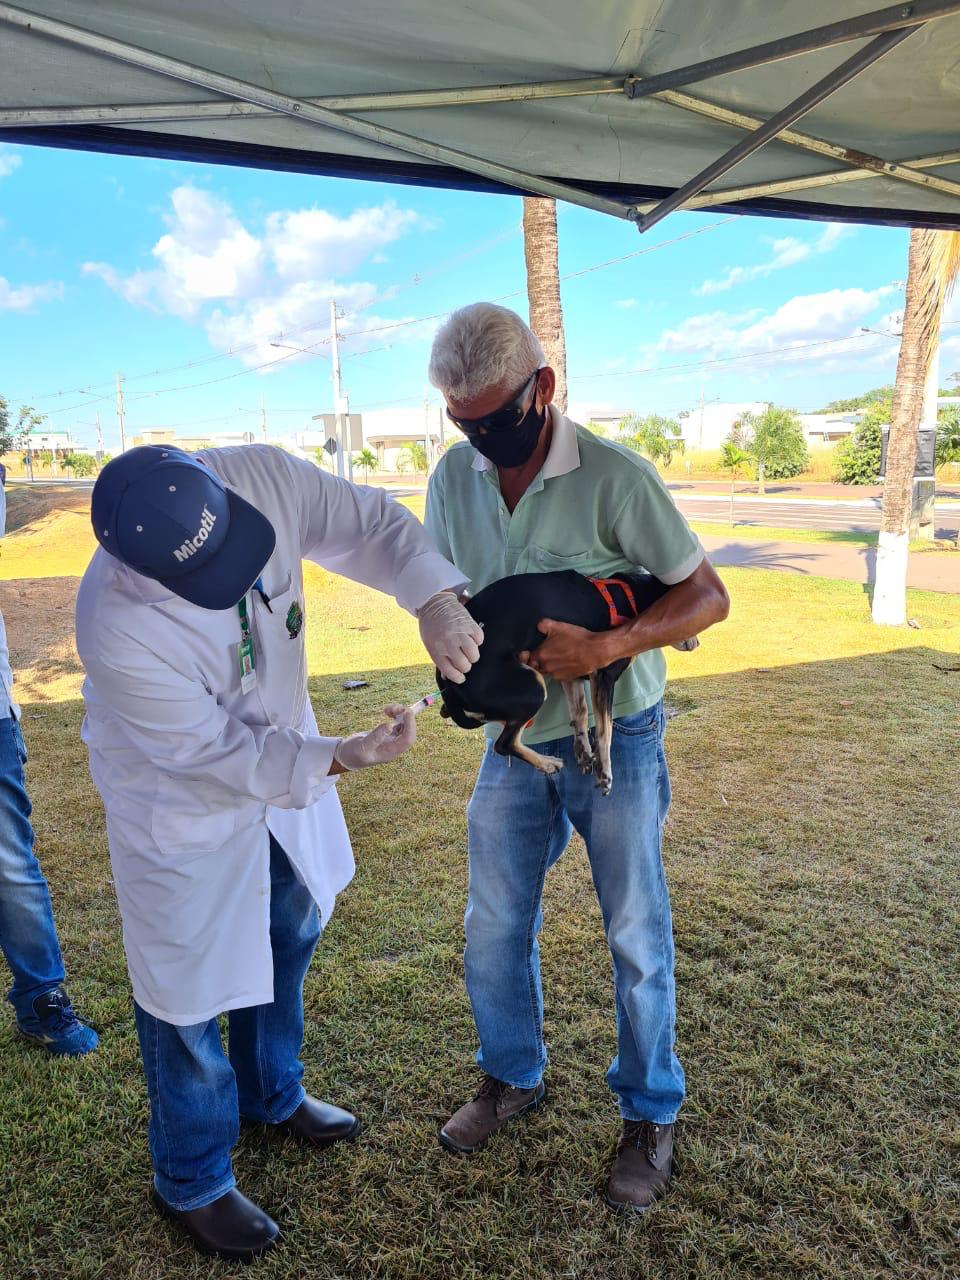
{"x": 812, "y": 855}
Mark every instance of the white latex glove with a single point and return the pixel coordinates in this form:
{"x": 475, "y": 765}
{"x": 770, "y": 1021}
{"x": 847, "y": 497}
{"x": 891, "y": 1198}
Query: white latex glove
{"x": 450, "y": 636}
{"x": 381, "y": 745}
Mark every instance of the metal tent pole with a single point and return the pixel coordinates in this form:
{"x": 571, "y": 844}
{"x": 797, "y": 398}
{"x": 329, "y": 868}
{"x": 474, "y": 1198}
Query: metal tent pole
{"x": 301, "y": 109}
{"x": 816, "y": 94}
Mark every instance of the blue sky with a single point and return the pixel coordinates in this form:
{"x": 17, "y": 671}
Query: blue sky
{"x": 181, "y": 276}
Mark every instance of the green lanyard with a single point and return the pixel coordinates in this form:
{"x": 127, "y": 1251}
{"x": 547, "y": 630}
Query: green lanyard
{"x": 246, "y": 656}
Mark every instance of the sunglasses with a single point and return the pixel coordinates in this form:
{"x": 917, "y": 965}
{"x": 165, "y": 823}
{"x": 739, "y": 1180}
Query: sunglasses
{"x": 501, "y": 419}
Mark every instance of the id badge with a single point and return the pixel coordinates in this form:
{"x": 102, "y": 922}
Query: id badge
{"x": 247, "y": 663}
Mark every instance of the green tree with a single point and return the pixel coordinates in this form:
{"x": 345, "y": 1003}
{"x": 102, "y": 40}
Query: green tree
{"x": 81, "y": 464}
{"x": 13, "y": 436}
{"x": 948, "y": 435}
{"x": 861, "y": 401}
{"x": 775, "y": 441}
{"x": 598, "y": 429}
{"x": 656, "y": 437}
{"x": 737, "y": 462}
{"x": 366, "y": 459}
{"x": 323, "y": 459}
{"x": 857, "y": 458}
{"x": 413, "y": 458}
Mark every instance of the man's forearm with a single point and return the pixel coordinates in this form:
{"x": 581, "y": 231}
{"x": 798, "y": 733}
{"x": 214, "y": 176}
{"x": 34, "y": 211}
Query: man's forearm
{"x": 685, "y": 611}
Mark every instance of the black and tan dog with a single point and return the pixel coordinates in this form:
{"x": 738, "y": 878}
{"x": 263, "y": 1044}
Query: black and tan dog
{"x": 501, "y": 689}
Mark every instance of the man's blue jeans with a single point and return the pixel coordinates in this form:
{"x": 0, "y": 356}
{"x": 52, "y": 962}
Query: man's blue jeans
{"x": 28, "y": 936}
{"x": 519, "y": 823}
{"x": 197, "y": 1094}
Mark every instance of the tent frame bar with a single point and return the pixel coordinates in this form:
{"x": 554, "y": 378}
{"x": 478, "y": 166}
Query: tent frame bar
{"x": 807, "y": 142}
{"x": 783, "y": 186}
{"x": 895, "y": 24}
{"x": 302, "y": 109}
{"x": 634, "y": 86}
{"x": 855, "y": 65}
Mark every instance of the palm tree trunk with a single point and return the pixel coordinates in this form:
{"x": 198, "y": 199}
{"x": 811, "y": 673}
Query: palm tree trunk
{"x": 933, "y": 263}
{"x": 543, "y": 287}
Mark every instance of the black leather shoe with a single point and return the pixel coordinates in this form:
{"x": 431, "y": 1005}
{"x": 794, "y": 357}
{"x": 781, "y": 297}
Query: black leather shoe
{"x": 320, "y": 1124}
{"x": 231, "y": 1227}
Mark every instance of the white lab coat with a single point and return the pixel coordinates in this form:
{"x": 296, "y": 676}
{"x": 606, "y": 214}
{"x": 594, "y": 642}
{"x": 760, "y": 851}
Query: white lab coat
{"x": 193, "y": 773}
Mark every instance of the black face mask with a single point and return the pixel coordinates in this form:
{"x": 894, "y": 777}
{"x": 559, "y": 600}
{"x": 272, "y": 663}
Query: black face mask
{"x": 508, "y": 436}
{"x": 513, "y": 447}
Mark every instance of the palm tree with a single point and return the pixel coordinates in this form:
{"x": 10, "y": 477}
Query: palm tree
{"x": 366, "y": 459}
{"x": 934, "y": 262}
{"x": 413, "y": 458}
{"x": 543, "y": 287}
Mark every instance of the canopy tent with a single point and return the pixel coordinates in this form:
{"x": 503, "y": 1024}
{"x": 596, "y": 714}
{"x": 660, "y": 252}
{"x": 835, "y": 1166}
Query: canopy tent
{"x": 633, "y": 107}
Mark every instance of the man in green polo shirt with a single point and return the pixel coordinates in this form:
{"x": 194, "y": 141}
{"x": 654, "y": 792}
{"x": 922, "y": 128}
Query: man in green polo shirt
{"x": 533, "y": 492}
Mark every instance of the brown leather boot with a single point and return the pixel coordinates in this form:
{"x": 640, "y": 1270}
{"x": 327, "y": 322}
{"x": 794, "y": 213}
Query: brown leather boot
{"x": 493, "y": 1106}
{"x": 642, "y": 1167}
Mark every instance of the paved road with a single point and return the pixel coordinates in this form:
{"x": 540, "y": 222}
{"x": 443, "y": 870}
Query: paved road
{"x": 861, "y": 517}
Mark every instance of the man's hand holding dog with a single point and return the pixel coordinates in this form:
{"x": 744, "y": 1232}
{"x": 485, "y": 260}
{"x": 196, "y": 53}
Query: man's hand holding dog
{"x": 568, "y": 652}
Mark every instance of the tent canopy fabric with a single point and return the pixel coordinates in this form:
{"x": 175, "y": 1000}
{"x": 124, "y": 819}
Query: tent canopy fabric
{"x": 881, "y": 145}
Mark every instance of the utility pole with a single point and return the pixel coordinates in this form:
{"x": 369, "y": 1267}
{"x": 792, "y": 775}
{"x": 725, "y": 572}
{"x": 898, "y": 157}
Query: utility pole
{"x": 339, "y": 432}
{"x": 99, "y": 440}
{"x": 700, "y": 435}
{"x": 263, "y": 419}
{"x": 427, "y": 433}
{"x": 120, "y": 418}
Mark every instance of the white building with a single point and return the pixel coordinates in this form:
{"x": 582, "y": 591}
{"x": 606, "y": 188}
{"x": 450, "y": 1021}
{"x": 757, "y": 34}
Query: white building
{"x": 828, "y": 428}
{"x": 709, "y": 425}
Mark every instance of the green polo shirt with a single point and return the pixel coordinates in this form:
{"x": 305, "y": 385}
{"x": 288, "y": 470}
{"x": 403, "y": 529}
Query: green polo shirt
{"x": 595, "y": 506}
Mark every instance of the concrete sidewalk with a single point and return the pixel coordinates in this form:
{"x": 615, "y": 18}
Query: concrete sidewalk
{"x": 785, "y": 490}
{"x": 928, "y": 570}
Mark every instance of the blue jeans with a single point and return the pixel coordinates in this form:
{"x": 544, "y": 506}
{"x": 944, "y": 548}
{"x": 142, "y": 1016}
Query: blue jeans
{"x": 198, "y": 1094}
{"x": 519, "y": 823}
{"x": 28, "y": 936}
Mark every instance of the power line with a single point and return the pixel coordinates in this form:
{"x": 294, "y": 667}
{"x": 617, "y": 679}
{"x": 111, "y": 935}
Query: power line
{"x": 392, "y": 291}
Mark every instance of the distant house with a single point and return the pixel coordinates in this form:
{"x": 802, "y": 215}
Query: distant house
{"x": 827, "y": 428}
{"x": 709, "y": 425}
{"x": 168, "y": 435}
{"x": 41, "y": 438}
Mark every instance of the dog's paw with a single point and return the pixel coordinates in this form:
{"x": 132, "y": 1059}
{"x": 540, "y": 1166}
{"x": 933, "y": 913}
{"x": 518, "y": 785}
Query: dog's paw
{"x": 550, "y": 764}
{"x": 687, "y": 646}
{"x": 583, "y": 754}
{"x": 603, "y": 776}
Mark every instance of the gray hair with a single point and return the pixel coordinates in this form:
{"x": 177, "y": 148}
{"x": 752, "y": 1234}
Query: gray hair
{"x": 483, "y": 346}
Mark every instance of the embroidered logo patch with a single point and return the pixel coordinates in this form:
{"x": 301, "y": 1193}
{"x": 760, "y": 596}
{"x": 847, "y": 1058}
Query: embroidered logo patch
{"x": 294, "y": 620}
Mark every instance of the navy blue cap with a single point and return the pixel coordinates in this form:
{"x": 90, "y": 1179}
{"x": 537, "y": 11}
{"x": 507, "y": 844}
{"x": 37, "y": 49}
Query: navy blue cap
{"x": 166, "y": 515}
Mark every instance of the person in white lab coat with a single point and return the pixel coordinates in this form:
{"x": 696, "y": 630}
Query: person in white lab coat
{"x": 226, "y": 836}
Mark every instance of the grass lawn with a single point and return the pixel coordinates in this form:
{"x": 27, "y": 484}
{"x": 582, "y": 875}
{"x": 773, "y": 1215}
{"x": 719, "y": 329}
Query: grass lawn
{"x": 812, "y": 853}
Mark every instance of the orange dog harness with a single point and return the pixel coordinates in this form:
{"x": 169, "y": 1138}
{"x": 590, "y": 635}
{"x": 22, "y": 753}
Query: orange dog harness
{"x": 603, "y": 585}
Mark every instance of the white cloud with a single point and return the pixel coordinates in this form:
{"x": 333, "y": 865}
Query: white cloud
{"x": 625, "y": 303}
{"x": 788, "y": 251}
{"x": 22, "y": 297}
{"x": 801, "y": 322}
{"x": 312, "y": 242}
{"x": 9, "y": 160}
{"x": 265, "y": 284}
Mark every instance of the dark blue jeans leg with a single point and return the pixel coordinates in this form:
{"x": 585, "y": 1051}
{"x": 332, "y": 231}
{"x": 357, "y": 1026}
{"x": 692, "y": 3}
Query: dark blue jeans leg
{"x": 194, "y": 1120}
{"x": 265, "y": 1040}
{"x": 28, "y": 936}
